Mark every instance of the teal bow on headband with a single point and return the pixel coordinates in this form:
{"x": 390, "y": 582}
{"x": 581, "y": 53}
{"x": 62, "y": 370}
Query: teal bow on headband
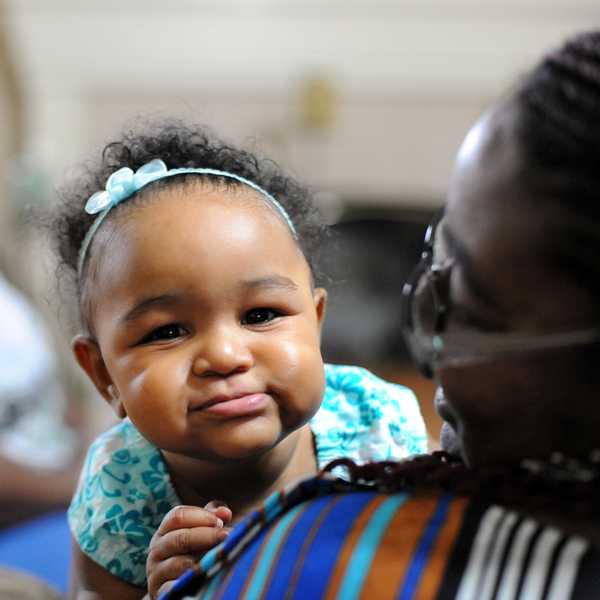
{"x": 124, "y": 183}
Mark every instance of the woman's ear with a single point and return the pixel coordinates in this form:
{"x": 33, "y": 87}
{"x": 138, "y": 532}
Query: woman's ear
{"x": 88, "y": 355}
{"x": 320, "y": 297}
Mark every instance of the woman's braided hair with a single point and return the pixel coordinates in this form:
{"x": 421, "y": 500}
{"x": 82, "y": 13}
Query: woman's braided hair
{"x": 560, "y": 109}
{"x": 558, "y": 133}
{"x": 557, "y": 485}
{"x": 558, "y": 104}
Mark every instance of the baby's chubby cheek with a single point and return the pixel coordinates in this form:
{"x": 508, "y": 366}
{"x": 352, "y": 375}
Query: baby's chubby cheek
{"x": 298, "y": 381}
{"x": 148, "y": 389}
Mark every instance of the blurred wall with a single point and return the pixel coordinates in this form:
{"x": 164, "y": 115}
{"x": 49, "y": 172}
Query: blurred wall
{"x": 408, "y": 76}
{"x": 367, "y": 100}
{"x": 11, "y": 140}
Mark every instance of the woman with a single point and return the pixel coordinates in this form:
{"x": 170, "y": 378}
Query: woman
{"x": 505, "y": 308}
{"x": 504, "y": 312}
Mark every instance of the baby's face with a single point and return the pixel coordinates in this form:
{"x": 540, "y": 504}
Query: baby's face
{"x": 207, "y": 323}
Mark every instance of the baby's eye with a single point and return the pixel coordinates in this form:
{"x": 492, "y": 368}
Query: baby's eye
{"x": 164, "y": 333}
{"x": 258, "y": 316}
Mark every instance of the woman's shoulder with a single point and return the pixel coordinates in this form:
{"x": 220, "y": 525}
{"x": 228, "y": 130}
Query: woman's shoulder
{"x": 366, "y": 418}
{"x": 124, "y": 491}
{"x": 403, "y": 529}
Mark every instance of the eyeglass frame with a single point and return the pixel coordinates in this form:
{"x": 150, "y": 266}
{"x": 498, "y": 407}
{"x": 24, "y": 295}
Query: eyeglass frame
{"x": 439, "y": 350}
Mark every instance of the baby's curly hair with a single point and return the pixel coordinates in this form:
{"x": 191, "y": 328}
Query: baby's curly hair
{"x": 179, "y": 145}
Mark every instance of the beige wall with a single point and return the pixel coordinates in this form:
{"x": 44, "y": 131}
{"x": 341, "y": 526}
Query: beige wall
{"x": 410, "y": 75}
{"x": 11, "y": 137}
{"x": 393, "y": 148}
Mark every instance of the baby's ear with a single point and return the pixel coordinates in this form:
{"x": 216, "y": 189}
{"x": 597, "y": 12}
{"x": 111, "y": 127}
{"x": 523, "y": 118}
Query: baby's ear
{"x": 88, "y": 355}
{"x": 320, "y": 297}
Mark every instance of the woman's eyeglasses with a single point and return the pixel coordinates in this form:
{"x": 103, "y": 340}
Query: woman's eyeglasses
{"x": 427, "y": 311}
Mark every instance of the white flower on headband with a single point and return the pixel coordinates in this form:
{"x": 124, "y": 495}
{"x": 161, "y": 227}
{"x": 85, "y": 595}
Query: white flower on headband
{"x": 124, "y": 183}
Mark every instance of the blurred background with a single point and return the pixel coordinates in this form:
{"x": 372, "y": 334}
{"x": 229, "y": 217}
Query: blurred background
{"x": 366, "y": 100}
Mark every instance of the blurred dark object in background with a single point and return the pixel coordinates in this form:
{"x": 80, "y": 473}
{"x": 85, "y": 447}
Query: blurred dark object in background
{"x": 368, "y": 259}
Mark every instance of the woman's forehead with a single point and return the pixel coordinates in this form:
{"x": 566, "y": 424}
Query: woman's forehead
{"x": 488, "y": 194}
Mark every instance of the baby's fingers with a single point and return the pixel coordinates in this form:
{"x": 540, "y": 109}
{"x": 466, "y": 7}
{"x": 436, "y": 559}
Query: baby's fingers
{"x": 194, "y": 541}
{"x": 183, "y": 517}
{"x": 221, "y": 510}
{"x": 164, "y": 573}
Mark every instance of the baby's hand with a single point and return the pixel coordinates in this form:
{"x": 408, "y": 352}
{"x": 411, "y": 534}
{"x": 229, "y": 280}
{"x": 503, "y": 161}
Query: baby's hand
{"x": 184, "y": 535}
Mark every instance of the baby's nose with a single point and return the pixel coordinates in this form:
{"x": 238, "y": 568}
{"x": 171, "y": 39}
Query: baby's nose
{"x": 222, "y": 352}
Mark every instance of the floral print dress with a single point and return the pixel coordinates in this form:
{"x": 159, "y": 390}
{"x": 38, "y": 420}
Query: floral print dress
{"x": 125, "y": 491}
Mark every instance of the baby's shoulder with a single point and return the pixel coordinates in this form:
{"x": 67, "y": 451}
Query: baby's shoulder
{"x": 119, "y": 459}
{"x": 366, "y": 418}
{"x": 123, "y": 494}
{"x": 354, "y": 392}
{"x": 364, "y": 384}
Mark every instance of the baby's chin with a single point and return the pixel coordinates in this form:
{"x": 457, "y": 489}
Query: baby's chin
{"x": 449, "y": 441}
{"x": 236, "y": 453}
{"x": 254, "y": 445}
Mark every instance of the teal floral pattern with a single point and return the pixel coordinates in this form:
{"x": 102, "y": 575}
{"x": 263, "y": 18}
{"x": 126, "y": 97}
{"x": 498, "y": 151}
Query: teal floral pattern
{"x": 366, "y": 418}
{"x": 125, "y": 490}
{"x": 123, "y": 494}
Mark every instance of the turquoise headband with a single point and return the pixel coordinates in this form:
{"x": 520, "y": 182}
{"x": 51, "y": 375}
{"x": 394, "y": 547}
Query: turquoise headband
{"x": 122, "y": 184}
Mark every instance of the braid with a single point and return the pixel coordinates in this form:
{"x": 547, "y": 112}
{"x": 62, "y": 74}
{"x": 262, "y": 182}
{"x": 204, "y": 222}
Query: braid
{"x": 557, "y": 128}
{"x": 559, "y": 125}
{"x": 557, "y": 486}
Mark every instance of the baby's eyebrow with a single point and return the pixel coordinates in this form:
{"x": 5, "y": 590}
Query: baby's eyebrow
{"x": 164, "y": 300}
{"x": 278, "y": 282}
{"x": 270, "y": 282}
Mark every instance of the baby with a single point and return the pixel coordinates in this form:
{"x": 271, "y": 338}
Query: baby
{"x": 196, "y": 274}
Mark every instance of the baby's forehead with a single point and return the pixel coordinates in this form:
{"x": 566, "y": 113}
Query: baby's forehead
{"x": 202, "y": 233}
{"x": 234, "y": 201}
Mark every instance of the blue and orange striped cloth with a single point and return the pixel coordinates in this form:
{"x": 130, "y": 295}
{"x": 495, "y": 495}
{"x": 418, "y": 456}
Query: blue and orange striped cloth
{"x": 327, "y": 539}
